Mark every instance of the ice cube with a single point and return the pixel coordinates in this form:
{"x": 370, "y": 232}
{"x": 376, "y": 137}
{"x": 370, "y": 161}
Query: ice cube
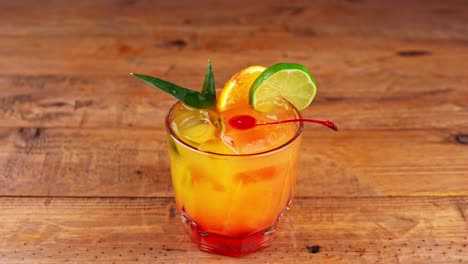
{"x": 261, "y": 137}
{"x": 197, "y": 126}
{"x": 217, "y": 146}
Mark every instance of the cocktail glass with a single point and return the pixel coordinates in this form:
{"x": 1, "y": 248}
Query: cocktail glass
{"x": 231, "y": 204}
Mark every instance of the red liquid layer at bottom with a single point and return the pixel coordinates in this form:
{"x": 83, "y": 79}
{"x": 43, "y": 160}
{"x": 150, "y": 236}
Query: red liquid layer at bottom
{"x": 229, "y": 246}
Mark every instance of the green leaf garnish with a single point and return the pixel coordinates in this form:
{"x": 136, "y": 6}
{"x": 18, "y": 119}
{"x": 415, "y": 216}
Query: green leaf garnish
{"x": 205, "y": 99}
{"x": 209, "y": 90}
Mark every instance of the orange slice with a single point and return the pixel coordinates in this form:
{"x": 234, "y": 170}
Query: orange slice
{"x": 236, "y": 90}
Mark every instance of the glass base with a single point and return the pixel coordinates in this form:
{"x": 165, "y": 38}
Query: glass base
{"x": 229, "y": 246}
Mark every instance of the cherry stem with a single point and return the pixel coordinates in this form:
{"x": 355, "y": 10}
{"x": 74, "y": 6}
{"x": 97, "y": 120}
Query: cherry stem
{"x": 247, "y": 122}
{"x": 326, "y": 123}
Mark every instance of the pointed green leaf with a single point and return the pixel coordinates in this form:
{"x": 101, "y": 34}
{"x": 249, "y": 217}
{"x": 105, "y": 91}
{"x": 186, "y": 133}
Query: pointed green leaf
{"x": 186, "y": 96}
{"x": 209, "y": 89}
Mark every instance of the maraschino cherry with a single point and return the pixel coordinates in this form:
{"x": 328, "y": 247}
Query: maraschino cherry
{"x": 243, "y": 122}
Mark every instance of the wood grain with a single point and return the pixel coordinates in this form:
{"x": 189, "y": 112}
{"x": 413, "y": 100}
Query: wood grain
{"x": 84, "y": 176}
{"x": 407, "y": 77}
{"x": 381, "y": 100}
{"x": 437, "y": 20}
{"x": 134, "y": 163}
{"x": 357, "y": 230}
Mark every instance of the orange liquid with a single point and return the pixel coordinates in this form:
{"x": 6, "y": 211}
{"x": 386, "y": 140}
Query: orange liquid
{"x": 231, "y": 202}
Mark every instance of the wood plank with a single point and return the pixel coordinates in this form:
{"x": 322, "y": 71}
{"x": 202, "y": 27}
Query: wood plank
{"x": 374, "y": 94}
{"x": 326, "y": 55}
{"x": 134, "y": 163}
{"x": 390, "y": 187}
{"x": 435, "y": 19}
{"x": 71, "y": 80}
{"x": 358, "y": 230}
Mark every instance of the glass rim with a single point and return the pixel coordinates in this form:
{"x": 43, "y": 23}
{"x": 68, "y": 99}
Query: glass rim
{"x": 173, "y": 135}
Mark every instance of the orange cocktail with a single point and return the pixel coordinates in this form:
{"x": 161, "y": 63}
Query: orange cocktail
{"x": 234, "y": 153}
{"x": 232, "y": 185}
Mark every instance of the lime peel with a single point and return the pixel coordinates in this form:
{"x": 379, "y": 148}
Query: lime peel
{"x": 290, "y": 81}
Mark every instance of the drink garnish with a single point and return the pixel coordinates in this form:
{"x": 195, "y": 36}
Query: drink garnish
{"x": 290, "y": 81}
{"x": 235, "y": 93}
{"x": 243, "y": 122}
{"x": 204, "y": 100}
{"x": 247, "y": 122}
{"x": 266, "y": 87}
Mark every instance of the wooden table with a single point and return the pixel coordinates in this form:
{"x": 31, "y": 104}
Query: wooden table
{"x": 84, "y": 174}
